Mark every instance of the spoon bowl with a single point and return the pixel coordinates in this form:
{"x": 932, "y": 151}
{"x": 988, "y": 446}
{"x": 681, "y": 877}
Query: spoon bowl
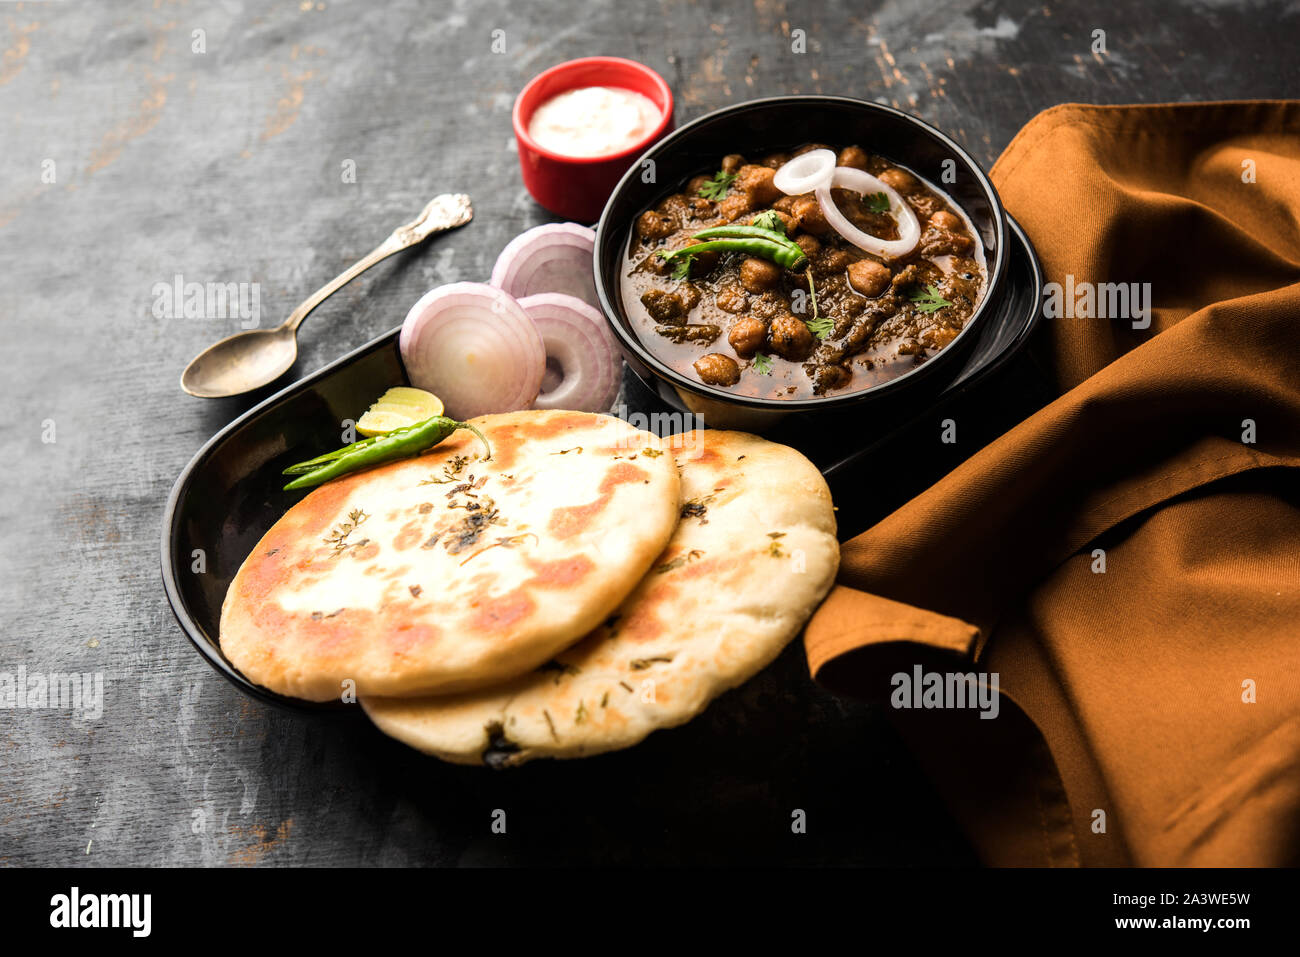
{"x": 241, "y": 363}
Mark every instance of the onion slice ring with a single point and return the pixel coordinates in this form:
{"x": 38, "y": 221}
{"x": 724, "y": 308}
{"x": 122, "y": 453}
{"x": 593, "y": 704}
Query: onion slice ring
{"x": 805, "y": 173}
{"x": 475, "y": 347}
{"x": 860, "y": 181}
{"x": 556, "y": 257}
{"x": 584, "y": 367}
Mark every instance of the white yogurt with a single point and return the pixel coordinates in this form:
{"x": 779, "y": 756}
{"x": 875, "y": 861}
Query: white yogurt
{"x": 593, "y": 121}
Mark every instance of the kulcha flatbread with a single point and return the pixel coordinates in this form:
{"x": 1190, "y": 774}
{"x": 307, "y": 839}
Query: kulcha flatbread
{"x": 752, "y": 557}
{"x": 448, "y": 571}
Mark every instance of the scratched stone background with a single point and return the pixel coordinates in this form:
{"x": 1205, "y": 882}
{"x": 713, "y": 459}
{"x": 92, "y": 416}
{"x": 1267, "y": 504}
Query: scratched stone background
{"x": 225, "y": 166}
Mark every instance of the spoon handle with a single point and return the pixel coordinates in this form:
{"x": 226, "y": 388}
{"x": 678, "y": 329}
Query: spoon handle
{"x": 443, "y": 212}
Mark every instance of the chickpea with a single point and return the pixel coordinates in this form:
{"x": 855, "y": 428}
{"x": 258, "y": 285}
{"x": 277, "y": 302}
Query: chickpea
{"x": 790, "y": 338}
{"x": 946, "y": 221}
{"x": 699, "y": 208}
{"x": 732, "y": 162}
{"x": 747, "y": 336}
{"x": 652, "y": 225}
{"x": 832, "y": 261}
{"x": 868, "y": 277}
{"x": 808, "y": 214}
{"x": 784, "y": 204}
{"x": 830, "y": 376}
{"x": 730, "y": 299}
{"x": 756, "y": 182}
{"x": 697, "y": 183}
{"x": 853, "y": 156}
{"x": 717, "y": 369}
{"x": 809, "y": 244}
{"x": 734, "y": 205}
{"x": 665, "y": 308}
{"x": 759, "y": 274}
{"x": 899, "y": 179}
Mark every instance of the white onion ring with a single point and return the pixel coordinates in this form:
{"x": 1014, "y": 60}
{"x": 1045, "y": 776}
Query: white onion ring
{"x": 805, "y": 173}
{"x": 474, "y": 347}
{"x": 860, "y": 181}
{"x": 578, "y": 340}
{"x": 556, "y": 257}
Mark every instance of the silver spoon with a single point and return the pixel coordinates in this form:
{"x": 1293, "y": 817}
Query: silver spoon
{"x": 249, "y": 360}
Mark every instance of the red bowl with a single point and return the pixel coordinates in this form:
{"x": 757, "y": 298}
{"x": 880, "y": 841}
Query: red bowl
{"x": 577, "y": 187}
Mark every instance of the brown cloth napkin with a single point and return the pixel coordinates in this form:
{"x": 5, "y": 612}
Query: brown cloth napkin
{"x": 1151, "y": 710}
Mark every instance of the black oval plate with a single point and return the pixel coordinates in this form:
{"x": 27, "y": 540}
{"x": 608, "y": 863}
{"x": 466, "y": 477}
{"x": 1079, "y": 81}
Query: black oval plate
{"x": 230, "y": 494}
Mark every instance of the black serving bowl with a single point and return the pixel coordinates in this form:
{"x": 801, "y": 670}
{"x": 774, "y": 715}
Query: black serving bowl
{"x": 765, "y": 126}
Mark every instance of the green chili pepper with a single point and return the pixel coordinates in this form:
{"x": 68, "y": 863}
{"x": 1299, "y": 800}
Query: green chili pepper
{"x": 312, "y": 464}
{"x": 735, "y": 231}
{"x": 378, "y": 450}
{"x": 784, "y": 254}
{"x": 750, "y": 240}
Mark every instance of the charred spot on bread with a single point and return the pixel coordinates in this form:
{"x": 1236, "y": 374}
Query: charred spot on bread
{"x": 500, "y": 752}
{"x": 559, "y": 668}
{"x": 470, "y": 529}
{"x": 695, "y": 510}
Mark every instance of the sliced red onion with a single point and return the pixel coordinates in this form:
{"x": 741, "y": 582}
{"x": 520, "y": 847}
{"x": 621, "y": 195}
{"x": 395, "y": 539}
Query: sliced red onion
{"x": 805, "y": 173}
{"x": 583, "y": 364}
{"x": 556, "y": 258}
{"x": 474, "y": 347}
{"x": 860, "y": 181}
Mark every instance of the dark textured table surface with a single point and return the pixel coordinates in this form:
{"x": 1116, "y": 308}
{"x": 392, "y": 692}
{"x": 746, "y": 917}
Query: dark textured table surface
{"x": 148, "y": 140}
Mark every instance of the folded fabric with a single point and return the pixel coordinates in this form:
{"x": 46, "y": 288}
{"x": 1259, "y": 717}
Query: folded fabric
{"x": 1127, "y": 559}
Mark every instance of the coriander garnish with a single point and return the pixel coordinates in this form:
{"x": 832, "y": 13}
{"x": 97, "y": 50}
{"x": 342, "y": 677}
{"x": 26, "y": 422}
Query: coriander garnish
{"x": 769, "y": 219}
{"x": 929, "y": 300}
{"x": 338, "y": 537}
{"x": 762, "y": 364}
{"x": 819, "y": 325}
{"x": 641, "y": 664}
{"x": 449, "y": 472}
{"x": 877, "y": 202}
{"x": 509, "y": 541}
{"x": 682, "y": 268}
{"x": 717, "y": 187}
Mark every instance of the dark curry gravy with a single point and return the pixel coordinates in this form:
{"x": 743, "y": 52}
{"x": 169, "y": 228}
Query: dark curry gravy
{"x": 741, "y": 323}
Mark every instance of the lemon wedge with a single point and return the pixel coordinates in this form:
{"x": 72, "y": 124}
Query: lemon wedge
{"x": 398, "y": 408}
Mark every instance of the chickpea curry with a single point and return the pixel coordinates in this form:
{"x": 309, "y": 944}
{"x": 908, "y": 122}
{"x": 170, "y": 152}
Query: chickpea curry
{"x": 745, "y": 282}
